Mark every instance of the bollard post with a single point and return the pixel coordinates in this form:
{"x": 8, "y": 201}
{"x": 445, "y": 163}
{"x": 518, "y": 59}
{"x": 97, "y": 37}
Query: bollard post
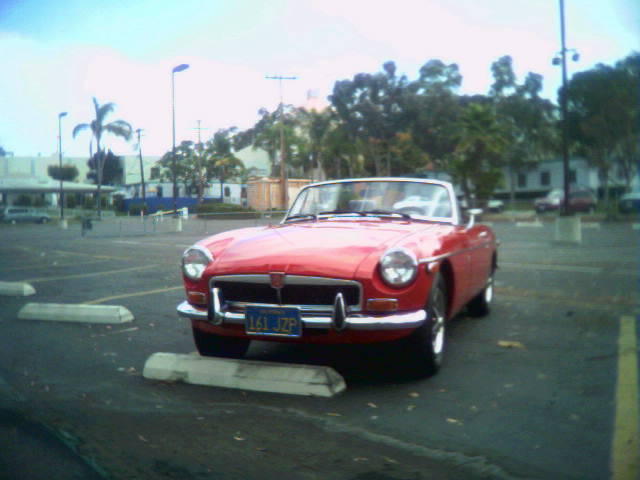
{"x": 179, "y": 224}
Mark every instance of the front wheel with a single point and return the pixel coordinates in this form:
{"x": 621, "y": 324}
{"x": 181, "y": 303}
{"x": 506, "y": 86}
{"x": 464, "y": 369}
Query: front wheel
{"x": 212, "y": 345}
{"x": 427, "y": 343}
{"x": 480, "y": 305}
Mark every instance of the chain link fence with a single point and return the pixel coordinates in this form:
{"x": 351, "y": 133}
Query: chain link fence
{"x": 203, "y": 224}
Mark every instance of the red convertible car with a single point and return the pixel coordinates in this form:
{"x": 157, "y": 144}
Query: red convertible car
{"x": 351, "y": 262}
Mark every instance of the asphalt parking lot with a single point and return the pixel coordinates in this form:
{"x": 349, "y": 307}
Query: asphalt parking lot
{"x": 531, "y": 391}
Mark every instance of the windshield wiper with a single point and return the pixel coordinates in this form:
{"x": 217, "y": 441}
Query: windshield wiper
{"x": 302, "y": 216}
{"x": 342, "y": 212}
{"x": 406, "y": 216}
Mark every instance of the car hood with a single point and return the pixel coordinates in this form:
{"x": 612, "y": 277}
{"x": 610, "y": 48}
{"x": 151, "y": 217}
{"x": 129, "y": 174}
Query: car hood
{"x": 327, "y": 248}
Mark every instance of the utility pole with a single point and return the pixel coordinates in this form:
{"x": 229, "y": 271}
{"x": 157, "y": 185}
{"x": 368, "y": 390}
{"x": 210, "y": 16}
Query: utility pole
{"x": 179, "y": 68}
{"x": 60, "y": 115}
{"x": 199, "y": 128}
{"x": 566, "y": 208}
{"x": 283, "y": 170}
{"x": 144, "y": 192}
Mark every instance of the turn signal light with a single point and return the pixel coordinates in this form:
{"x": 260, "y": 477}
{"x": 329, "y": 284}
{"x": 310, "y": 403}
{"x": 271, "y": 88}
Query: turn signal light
{"x": 382, "y": 305}
{"x": 196, "y": 298}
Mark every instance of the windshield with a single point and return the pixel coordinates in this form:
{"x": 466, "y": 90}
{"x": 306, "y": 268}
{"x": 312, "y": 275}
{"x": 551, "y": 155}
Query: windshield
{"x": 405, "y": 198}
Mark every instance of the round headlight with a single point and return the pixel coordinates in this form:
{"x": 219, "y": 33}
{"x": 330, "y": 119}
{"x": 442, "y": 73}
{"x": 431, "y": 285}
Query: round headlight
{"x": 398, "y": 267}
{"x": 194, "y": 261}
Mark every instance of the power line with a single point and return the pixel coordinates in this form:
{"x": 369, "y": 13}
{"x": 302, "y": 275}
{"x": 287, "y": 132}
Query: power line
{"x": 283, "y": 171}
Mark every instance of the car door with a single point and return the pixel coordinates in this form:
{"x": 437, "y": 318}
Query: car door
{"x": 480, "y": 241}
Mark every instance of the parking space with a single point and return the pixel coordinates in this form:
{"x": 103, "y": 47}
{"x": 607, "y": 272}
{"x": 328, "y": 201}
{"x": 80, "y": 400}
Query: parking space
{"x": 530, "y": 391}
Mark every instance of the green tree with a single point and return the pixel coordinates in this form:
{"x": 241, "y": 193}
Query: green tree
{"x": 603, "y": 117}
{"x": 220, "y": 160}
{"x": 628, "y": 148}
{"x": 476, "y": 162}
{"x": 434, "y": 109}
{"x": 373, "y": 109}
{"x": 268, "y": 137}
{"x": 184, "y": 167}
{"x": 112, "y": 169}
{"x": 314, "y": 127}
{"x": 527, "y": 119}
{"x": 98, "y": 128}
{"x": 68, "y": 173}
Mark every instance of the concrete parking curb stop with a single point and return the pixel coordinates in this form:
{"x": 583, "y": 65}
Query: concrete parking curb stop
{"x": 272, "y": 377}
{"x": 535, "y": 224}
{"x": 16, "y": 289}
{"x": 80, "y": 313}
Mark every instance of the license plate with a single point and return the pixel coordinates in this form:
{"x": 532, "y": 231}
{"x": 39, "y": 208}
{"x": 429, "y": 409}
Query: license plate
{"x": 274, "y": 321}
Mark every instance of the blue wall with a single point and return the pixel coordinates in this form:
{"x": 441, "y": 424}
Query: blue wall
{"x": 163, "y": 203}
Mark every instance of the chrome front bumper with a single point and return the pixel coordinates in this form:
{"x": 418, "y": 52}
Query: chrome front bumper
{"x": 399, "y": 320}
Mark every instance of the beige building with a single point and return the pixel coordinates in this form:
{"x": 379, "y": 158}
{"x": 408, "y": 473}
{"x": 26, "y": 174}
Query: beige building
{"x": 265, "y": 193}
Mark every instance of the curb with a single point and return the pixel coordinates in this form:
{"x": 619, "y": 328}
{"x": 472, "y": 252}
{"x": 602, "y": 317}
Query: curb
{"x": 17, "y": 289}
{"x": 530, "y": 224}
{"x": 79, "y": 313}
{"x": 253, "y": 375}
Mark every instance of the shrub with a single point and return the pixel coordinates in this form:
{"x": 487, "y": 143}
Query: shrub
{"x": 136, "y": 208}
{"x": 228, "y": 211}
{"x": 23, "y": 200}
{"x": 219, "y": 208}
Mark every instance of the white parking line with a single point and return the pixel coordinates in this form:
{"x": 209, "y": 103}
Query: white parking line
{"x": 86, "y": 275}
{"x": 551, "y": 268}
{"x": 530, "y": 224}
{"x": 154, "y": 244}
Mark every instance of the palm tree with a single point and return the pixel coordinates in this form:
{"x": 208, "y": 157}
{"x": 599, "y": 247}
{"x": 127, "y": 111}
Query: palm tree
{"x": 98, "y": 127}
{"x": 478, "y": 155}
{"x": 220, "y": 159}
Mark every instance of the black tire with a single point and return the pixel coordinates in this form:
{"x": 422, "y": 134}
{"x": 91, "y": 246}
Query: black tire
{"x": 480, "y": 305}
{"x": 44, "y": 220}
{"x": 211, "y": 345}
{"x": 427, "y": 344}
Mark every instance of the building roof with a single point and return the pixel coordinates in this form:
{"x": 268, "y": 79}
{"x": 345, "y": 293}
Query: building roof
{"x": 32, "y": 185}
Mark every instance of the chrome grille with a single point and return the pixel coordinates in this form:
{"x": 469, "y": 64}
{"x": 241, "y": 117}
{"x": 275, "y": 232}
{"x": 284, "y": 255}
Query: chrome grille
{"x": 301, "y": 291}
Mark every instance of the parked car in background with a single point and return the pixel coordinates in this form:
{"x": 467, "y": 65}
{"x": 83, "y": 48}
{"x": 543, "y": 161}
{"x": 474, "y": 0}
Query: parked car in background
{"x": 23, "y": 214}
{"x": 630, "y": 202}
{"x": 580, "y": 200}
{"x": 493, "y": 205}
{"x": 354, "y": 261}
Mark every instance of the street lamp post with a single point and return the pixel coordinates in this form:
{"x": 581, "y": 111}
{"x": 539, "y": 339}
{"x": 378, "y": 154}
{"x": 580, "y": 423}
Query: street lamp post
{"x": 144, "y": 193}
{"x": 568, "y": 227}
{"x": 60, "y": 115}
{"x": 179, "y": 68}
{"x": 562, "y": 60}
{"x": 283, "y": 169}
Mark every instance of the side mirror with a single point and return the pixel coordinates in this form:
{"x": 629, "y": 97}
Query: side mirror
{"x": 472, "y": 212}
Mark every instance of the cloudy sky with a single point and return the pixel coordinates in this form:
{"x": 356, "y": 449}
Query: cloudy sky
{"x": 57, "y": 55}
